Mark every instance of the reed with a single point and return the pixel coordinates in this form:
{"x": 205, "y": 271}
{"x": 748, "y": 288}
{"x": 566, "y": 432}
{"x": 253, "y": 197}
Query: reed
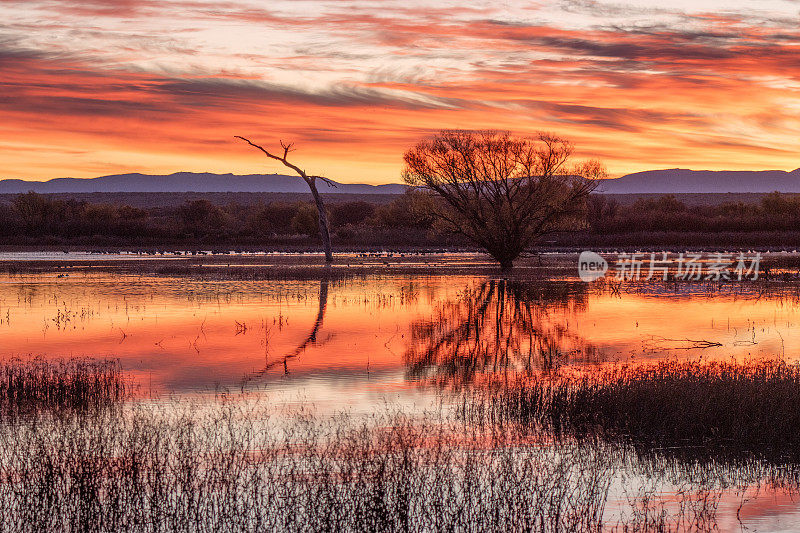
{"x": 179, "y": 470}
{"x": 744, "y": 408}
{"x": 32, "y": 384}
{"x": 233, "y": 463}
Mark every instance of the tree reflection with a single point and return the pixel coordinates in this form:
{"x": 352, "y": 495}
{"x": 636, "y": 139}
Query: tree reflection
{"x": 501, "y": 327}
{"x": 311, "y": 339}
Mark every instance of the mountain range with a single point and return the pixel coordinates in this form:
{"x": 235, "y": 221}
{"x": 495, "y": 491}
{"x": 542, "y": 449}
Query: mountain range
{"x": 679, "y": 180}
{"x": 189, "y": 182}
{"x": 669, "y": 181}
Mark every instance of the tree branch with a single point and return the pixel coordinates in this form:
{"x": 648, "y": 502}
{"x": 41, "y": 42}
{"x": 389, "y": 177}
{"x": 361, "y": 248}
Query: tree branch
{"x": 326, "y": 180}
{"x": 286, "y": 149}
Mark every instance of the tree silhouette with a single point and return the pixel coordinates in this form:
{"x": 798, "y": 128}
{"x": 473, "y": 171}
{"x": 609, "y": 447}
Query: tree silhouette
{"x": 311, "y": 181}
{"x": 309, "y": 340}
{"x": 499, "y": 191}
{"x": 497, "y": 328}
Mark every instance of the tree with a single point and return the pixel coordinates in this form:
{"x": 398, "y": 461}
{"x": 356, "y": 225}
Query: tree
{"x": 39, "y": 214}
{"x": 502, "y": 192}
{"x": 601, "y": 212}
{"x": 201, "y": 214}
{"x": 351, "y": 213}
{"x": 311, "y": 181}
{"x": 304, "y": 221}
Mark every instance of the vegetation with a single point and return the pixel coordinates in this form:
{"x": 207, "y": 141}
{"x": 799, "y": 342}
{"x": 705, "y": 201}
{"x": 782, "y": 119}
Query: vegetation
{"x": 154, "y": 470}
{"x": 713, "y": 408}
{"x": 402, "y": 222}
{"x": 538, "y": 446}
{"x": 41, "y": 219}
{"x": 311, "y": 181}
{"x": 501, "y": 192}
{"x": 31, "y": 385}
{"x": 666, "y": 221}
{"x": 235, "y": 464}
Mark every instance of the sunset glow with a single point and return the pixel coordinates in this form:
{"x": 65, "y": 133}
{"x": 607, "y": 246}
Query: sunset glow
{"x": 91, "y": 87}
{"x": 230, "y": 333}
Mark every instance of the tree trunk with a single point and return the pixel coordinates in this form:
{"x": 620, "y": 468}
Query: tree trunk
{"x": 504, "y": 257}
{"x": 324, "y": 230}
{"x": 311, "y": 182}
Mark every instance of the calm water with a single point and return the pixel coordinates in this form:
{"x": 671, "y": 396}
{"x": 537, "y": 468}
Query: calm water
{"x": 358, "y": 344}
{"x": 333, "y": 341}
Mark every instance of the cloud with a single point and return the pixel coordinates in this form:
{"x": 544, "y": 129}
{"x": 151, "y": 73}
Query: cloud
{"x": 91, "y": 8}
{"x": 625, "y": 119}
{"x": 222, "y": 92}
{"x": 357, "y": 83}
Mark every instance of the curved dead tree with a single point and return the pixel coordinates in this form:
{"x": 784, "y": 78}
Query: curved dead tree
{"x": 311, "y": 181}
{"x": 496, "y": 329}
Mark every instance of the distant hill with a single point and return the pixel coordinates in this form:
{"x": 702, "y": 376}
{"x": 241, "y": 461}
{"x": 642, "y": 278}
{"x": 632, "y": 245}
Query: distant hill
{"x": 670, "y": 181}
{"x": 189, "y": 182}
{"x": 679, "y": 180}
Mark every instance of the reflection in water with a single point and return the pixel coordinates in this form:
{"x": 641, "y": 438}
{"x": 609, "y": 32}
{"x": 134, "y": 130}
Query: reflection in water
{"x": 311, "y": 339}
{"x": 331, "y": 341}
{"x": 354, "y": 344}
{"x": 500, "y": 327}
{"x": 315, "y": 338}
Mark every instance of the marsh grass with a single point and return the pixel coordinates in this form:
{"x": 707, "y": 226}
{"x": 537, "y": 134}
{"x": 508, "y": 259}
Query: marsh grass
{"x": 236, "y": 466}
{"x": 235, "y": 463}
{"x": 232, "y": 470}
{"x": 29, "y": 385}
{"x": 743, "y": 409}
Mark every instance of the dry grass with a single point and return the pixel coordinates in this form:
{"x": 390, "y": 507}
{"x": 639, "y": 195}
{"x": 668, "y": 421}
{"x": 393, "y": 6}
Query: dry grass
{"x": 725, "y": 406}
{"x": 35, "y": 384}
{"x": 231, "y": 464}
{"x": 230, "y": 470}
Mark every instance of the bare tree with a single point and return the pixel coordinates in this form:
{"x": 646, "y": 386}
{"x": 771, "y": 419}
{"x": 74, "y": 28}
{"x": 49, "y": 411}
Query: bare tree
{"x": 500, "y": 191}
{"x": 311, "y": 181}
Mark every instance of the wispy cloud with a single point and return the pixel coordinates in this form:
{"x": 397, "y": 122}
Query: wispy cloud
{"x": 159, "y": 82}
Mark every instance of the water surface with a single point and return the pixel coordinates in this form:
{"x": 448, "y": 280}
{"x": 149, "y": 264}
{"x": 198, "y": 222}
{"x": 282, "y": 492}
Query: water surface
{"x": 332, "y": 340}
{"x": 357, "y": 344}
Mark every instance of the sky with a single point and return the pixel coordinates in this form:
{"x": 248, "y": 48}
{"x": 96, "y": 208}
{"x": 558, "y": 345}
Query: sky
{"x": 97, "y": 87}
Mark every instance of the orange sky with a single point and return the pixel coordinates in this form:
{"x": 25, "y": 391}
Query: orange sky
{"x": 93, "y": 87}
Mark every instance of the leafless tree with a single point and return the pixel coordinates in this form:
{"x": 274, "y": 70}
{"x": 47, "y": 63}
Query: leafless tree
{"x": 311, "y": 181}
{"x": 500, "y": 191}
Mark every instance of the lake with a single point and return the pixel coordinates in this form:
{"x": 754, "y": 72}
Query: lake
{"x": 333, "y": 340}
{"x": 405, "y": 337}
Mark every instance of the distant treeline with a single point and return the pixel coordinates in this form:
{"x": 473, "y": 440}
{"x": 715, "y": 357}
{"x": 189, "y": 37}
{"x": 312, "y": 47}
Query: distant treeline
{"x": 146, "y": 200}
{"x": 773, "y": 221}
{"x": 36, "y": 219}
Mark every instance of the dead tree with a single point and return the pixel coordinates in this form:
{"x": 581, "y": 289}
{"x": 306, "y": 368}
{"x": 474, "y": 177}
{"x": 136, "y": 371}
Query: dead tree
{"x": 311, "y": 181}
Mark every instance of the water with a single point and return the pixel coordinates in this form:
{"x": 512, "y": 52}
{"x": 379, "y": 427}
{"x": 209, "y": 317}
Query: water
{"x": 333, "y": 340}
{"x": 358, "y": 344}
